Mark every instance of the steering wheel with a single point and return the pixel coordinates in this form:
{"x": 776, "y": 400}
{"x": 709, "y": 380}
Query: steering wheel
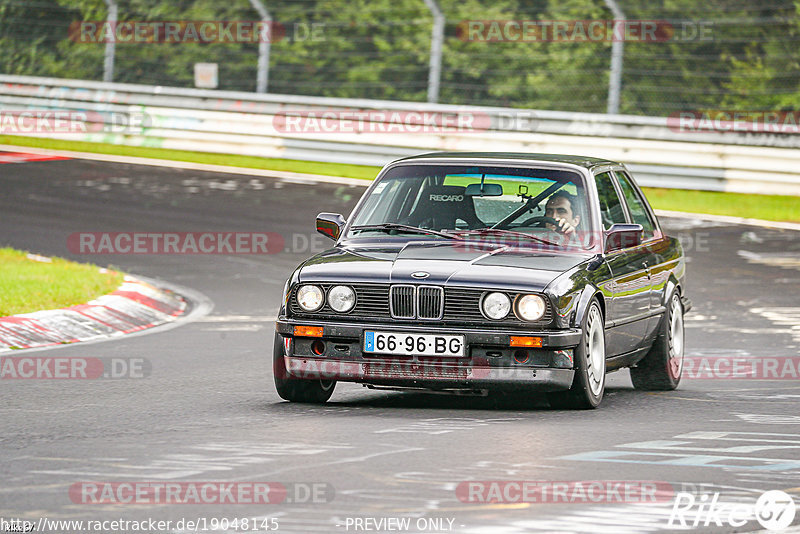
{"x": 539, "y": 221}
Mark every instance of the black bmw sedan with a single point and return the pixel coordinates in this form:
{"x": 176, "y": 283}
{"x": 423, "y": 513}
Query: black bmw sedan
{"x": 471, "y": 272}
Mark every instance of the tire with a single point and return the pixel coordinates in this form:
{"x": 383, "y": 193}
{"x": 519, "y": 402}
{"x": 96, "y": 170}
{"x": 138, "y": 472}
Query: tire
{"x": 589, "y": 382}
{"x": 661, "y": 368}
{"x": 297, "y": 389}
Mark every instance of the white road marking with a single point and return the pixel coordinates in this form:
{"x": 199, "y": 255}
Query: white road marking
{"x": 442, "y": 425}
{"x": 199, "y": 459}
{"x": 698, "y": 317}
{"x": 238, "y": 319}
{"x": 339, "y": 461}
{"x": 776, "y": 396}
{"x": 237, "y": 323}
{"x": 705, "y": 449}
{"x": 786, "y": 260}
{"x": 235, "y": 328}
{"x": 769, "y": 419}
{"x": 449, "y": 475}
{"x": 788, "y": 317}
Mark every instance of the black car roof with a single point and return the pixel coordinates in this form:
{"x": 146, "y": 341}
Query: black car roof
{"x": 581, "y": 161}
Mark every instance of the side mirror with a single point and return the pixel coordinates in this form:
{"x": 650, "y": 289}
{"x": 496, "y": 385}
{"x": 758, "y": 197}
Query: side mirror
{"x": 330, "y": 224}
{"x": 621, "y": 236}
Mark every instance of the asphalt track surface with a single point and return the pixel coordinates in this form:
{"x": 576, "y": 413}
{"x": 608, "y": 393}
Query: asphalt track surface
{"x": 209, "y": 410}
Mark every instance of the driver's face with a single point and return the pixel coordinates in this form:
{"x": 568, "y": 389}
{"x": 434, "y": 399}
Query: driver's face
{"x": 560, "y": 208}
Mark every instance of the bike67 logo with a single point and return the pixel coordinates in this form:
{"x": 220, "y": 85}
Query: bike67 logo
{"x": 774, "y": 510}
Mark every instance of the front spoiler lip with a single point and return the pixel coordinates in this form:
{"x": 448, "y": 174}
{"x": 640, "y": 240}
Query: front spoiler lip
{"x": 477, "y": 336}
{"x": 432, "y": 376}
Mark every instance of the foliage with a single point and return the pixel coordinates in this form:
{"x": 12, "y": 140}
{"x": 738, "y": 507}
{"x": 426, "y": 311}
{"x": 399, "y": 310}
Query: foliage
{"x": 748, "y": 59}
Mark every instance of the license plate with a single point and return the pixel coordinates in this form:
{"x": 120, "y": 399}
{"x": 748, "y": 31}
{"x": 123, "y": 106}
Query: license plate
{"x": 413, "y": 344}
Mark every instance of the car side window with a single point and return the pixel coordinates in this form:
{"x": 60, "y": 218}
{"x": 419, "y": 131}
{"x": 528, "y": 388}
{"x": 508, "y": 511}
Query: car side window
{"x": 610, "y": 205}
{"x": 639, "y": 213}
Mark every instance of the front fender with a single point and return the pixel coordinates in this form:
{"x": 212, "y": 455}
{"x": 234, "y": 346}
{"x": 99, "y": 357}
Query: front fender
{"x": 588, "y": 293}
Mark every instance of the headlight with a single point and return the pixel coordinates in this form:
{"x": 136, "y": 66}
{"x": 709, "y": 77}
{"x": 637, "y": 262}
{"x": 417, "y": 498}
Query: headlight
{"x": 531, "y": 307}
{"x": 496, "y": 305}
{"x": 310, "y": 298}
{"x": 341, "y": 298}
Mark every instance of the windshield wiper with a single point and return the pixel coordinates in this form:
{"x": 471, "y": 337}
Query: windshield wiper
{"x": 405, "y": 228}
{"x": 483, "y": 231}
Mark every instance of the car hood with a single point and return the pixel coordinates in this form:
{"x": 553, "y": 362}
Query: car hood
{"x": 446, "y": 263}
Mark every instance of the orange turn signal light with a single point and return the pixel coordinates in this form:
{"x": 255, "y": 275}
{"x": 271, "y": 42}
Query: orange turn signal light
{"x": 524, "y": 341}
{"x": 308, "y": 331}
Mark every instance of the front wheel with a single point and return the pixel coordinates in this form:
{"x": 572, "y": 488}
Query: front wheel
{"x": 297, "y": 389}
{"x": 661, "y": 369}
{"x": 589, "y": 382}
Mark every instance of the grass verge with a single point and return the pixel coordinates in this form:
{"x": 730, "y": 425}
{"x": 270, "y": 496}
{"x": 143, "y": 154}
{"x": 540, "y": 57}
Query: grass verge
{"x": 767, "y": 207}
{"x": 252, "y": 162}
{"x": 30, "y": 283}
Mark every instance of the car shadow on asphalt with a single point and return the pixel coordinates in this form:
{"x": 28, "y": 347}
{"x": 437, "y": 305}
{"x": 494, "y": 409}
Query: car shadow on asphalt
{"x": 494, "y": 401}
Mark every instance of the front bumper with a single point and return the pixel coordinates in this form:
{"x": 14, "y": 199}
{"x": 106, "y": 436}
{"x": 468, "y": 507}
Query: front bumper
{"x": 388, "y": 373}
{"x": 473, "y": 336}
{"x": 489, "y": 361}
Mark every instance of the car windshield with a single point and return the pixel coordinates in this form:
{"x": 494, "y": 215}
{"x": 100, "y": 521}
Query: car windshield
{"x": 521, "y": 204}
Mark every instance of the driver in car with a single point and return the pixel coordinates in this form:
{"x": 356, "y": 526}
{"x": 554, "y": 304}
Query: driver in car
{"x": 562, "y": 206}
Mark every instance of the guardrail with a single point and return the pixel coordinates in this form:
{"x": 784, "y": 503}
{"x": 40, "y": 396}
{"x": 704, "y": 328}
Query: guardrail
{"x": 659, "y": 154}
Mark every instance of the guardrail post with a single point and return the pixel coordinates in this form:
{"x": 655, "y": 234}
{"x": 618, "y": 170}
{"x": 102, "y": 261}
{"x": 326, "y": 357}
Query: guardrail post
{"x": 437, "y": 39}
{"x": 617, "y": 49}
{"x": 108, "y": 57}
{"x": 262, "y": 78}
